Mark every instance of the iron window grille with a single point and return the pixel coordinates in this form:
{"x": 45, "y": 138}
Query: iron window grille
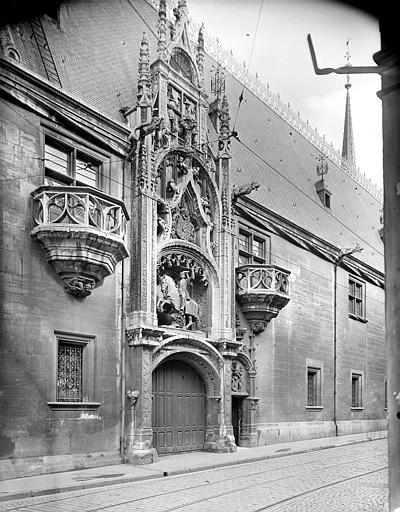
{"x": 69, "y": 165}
{"x": 356, "y": 299}
{"x": 253, "y": 248}
{"x": 356, "y": 390}
{"x": 313, "y": 387}
{"x": 74, "y": 368}
{"x": 69, "y": 372}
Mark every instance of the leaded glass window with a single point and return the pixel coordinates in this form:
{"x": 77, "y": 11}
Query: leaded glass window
{"x": 253, "y": 248}
{"x": 356, "y": 298}
{"x": 66, "y": 165}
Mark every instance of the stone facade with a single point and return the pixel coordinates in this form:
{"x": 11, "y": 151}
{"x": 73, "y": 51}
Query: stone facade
{"x": 138, "y": 236}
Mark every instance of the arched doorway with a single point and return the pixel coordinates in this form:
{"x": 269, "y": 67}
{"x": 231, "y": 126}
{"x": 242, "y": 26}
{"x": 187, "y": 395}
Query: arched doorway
{"x": 178, "y": 409}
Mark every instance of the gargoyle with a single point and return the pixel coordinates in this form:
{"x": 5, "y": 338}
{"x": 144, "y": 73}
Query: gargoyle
{"x": 244, "y": 190}
{"x": 140, "y": 132}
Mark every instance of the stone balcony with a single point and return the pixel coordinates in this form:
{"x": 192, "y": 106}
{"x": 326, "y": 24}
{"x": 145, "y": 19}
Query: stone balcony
{"x": 81, "y": 231}
{"x": 262, "y": 291}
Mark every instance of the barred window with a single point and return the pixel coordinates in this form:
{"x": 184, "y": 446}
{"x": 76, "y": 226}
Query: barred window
{"x": 69, "y": 372}
{"x": 75, "y": 361}
{"x": 313, "y": 386}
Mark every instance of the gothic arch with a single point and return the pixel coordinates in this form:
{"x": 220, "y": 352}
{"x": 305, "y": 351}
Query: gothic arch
{"x": 194, "y": 252}
{"x": 199, "y": 354}
{"x": 183, "y": 64}
{"x": 242, "y": 367}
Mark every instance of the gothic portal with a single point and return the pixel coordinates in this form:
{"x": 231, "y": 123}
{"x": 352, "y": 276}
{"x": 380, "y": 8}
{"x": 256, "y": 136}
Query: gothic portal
{"x": 180, "y": 331}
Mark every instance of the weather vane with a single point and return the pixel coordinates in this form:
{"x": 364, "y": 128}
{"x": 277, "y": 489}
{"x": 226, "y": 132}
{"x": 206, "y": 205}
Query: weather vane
{"x": 348, "y": 64}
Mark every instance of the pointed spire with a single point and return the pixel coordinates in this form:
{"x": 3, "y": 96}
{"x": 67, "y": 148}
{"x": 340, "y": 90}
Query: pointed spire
{"x": 144, "y": 83}
{"x": 348, "y": 141}
{"x": 162, "y": 31}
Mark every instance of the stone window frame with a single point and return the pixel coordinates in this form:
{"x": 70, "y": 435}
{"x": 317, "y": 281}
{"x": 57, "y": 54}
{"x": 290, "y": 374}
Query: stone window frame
{"x": 355, "y": 298}
{"x": 314, "y": 368}
{"x": 357, "y": 401}
{"x": 75, "y": 149}
{"x": 253, "y": 236}
{"x": 87, "y": 342}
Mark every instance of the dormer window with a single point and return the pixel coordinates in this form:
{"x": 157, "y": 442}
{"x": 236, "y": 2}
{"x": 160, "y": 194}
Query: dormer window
{"x": 323, "y": 193}
{"x": 320, "y": 186}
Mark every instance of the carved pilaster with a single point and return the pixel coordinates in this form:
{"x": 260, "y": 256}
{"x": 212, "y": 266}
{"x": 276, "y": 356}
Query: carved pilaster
{"x": 228, "y": 403}
{"x": 226, "y": 238}
{"x": 139, "y": 441}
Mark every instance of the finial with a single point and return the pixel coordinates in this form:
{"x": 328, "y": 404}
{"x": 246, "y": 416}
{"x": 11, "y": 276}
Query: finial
{"x": 347, "y": 57}
{"x": 218, "y": 83}
{"x": 162, "y": 31}
{"x": 144, "y": 70}
{"x": 144, "y": 60}
{"x": 224, "y": 130}
{"x": 200, "y": 54}
{"x": 224, "y": 117}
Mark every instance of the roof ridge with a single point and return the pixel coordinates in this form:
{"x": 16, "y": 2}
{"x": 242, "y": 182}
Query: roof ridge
{"x": 284, "y": 110}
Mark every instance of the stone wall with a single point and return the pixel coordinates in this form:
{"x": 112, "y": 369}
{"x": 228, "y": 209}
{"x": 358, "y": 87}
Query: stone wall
{"x": 34, "y": 306}
{"x": 303, "y": 335}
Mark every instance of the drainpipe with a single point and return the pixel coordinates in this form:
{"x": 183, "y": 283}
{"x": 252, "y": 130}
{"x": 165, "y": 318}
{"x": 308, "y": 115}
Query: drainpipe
{"x": 337, "y": 263}
{"x": 123, "y": 341}
{"x": 123, "y": 401}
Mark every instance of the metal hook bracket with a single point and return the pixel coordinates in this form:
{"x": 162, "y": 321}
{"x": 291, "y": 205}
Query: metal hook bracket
{"x": 345, "y": 70}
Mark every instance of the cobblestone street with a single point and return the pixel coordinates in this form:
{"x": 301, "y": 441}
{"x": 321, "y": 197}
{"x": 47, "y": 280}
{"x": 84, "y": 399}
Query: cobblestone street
{"x": 342, "y": 479}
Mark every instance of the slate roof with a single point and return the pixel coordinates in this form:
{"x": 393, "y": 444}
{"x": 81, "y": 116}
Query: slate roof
{"x": 96, "y": 52}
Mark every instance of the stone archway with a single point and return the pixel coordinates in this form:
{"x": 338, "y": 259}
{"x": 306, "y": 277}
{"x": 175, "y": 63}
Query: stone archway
{"x": 244, "y": 401}
{"x": 203, "y": 366}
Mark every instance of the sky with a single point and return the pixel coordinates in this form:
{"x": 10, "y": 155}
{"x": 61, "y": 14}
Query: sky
{"x": 281, "y": 57}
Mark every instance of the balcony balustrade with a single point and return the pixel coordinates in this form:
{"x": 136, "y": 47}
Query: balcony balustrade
{"x": 262, "y": 291}
{"x": 81, "y": 231}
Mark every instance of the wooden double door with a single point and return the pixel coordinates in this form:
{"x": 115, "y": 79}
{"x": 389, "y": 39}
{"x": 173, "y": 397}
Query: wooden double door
{"x": 178, "y": 409}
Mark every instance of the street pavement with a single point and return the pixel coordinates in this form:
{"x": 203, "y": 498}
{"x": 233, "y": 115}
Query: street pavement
{"x": 302, "y": 476}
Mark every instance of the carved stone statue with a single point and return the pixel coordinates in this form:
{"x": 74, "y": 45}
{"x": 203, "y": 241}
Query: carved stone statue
{"x": 244, "y": 190}
{"x": 188, "y": 131}
{"x": 175, "y": 306}
{"x": 238, "y": 377}
{"x": 188, "y": 306}
{"x": 184, "y": 227}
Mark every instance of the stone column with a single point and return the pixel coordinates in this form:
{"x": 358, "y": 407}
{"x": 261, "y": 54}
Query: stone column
{"x": 389, "y": 68}
{"x": 139, "y": 440}
{"x": 213, "y": 420}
